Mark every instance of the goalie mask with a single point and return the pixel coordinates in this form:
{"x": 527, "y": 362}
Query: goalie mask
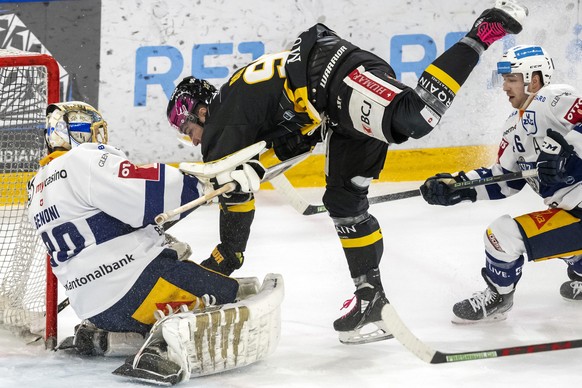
{"x": 188, "y": 94}
{"x": 525, "y": 60}
{"x": 71, "y": 123}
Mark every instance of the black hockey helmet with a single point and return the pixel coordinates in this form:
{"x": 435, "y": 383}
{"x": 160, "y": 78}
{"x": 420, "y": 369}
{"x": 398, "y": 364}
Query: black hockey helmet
{"x": 190, "y": 92}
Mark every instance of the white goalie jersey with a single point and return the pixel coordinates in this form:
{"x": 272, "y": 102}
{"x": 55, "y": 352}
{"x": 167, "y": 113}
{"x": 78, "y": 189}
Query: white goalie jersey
{"x": 558, "y": 107}
{"x": 94, "y": 211}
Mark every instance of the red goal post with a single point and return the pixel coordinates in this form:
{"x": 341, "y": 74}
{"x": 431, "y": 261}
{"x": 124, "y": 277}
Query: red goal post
{"x": 28, "y": 288}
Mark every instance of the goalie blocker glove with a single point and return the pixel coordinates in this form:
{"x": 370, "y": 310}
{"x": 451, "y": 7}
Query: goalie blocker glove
{"x": 437, "y": 190}
{"x": 555, "y": 154}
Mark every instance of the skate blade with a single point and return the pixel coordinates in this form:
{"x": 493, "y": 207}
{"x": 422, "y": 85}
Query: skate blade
{"x": 517, "y": 11}
{"x": 572, "y": 300}
{"x": 489, "y": 319}
{"x": 359, "y": 336}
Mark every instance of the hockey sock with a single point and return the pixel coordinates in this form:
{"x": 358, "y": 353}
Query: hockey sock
{"x": 443, "y": 78}
{"x": 503, "y": 275}
{"x": 362, "y": 243}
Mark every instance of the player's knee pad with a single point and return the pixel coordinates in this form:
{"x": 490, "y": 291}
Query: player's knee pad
{"x": 503, "y": 240}
{"x": 349, "y": 199}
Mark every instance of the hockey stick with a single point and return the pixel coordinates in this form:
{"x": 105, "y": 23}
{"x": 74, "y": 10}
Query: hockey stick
{"x": 270, "y": 173}
{"x": 63, "y": 305}
{"x": 512, "y": 176}
{"x": 282, "y": 184}
{"x": 163, "y": 217}
{"x": 432, "y": 356}
{"x": 305, "y": 208}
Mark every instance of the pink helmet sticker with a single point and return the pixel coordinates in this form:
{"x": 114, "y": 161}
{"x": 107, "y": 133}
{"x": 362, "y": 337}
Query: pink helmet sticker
{"x": 181, "y": 110}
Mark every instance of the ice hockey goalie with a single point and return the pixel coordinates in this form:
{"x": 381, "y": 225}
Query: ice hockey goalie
{"x": 214, "y": 339}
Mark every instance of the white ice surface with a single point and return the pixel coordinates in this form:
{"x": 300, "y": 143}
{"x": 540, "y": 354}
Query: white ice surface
{"x": 432, "y": 259}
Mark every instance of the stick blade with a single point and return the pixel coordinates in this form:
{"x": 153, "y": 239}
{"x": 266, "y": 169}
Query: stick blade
{"x": 405, "y": 336}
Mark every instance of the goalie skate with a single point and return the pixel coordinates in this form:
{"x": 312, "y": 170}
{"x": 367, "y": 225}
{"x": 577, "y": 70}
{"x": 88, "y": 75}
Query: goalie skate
{"x": 153, "y": 367}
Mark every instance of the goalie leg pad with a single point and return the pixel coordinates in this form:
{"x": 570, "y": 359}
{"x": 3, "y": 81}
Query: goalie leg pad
{"x": 213, "y": 340}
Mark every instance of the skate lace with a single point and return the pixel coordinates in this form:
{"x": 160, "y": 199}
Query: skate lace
{"x": 576, "y": 288}
{"x": 490, "y": 32}
{"x": 481, "y": 299}
{"x": 347, "y": 304}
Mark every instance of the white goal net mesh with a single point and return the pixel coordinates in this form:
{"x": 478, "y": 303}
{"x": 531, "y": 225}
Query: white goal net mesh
{"x": 23, "y": 100}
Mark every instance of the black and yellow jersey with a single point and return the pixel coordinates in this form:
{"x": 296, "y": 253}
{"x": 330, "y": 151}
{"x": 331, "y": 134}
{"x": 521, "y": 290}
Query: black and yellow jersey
{"x": 255, "y": 104}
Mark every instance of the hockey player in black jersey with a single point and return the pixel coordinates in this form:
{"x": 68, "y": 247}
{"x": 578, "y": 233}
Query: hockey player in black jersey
{"x": 327, "y": 87}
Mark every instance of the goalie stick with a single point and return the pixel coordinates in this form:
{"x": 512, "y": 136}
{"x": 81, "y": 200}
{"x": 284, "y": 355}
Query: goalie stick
{"x": 303, "y": 207}
{"x": 270, "y": 174}
{"x": 432, "y": 356}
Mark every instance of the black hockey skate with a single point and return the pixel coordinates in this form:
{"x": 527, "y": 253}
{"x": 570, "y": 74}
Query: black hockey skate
{"x": 572, "y": 290}
{"x": 493, "y": 24}
{"x": 483, "y": 306}
{"x": 363, "y": 323}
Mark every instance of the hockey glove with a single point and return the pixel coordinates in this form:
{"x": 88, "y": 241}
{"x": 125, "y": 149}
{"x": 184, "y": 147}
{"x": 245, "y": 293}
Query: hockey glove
{"x": 436, "y": 190}
{"x": 293, "y": 145}
{"x": 551, "y": 163}
{"x": 246, "y": 176}
{"x": 224, "y": 260}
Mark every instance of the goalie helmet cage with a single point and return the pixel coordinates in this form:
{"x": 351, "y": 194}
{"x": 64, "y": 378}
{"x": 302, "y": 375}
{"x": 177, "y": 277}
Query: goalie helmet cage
{"x": 28, "y": 288}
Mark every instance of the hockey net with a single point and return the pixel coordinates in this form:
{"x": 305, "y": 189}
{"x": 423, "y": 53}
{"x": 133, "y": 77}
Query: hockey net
{"x": 28, "y": 82}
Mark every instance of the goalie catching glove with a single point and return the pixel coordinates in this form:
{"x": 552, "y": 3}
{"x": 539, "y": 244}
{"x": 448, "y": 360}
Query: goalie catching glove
{"x": 437, "y": 190}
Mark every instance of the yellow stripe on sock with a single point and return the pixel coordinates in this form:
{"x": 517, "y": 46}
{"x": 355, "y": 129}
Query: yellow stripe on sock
{"x": 444, "y": 78}
{"x": 242, "y": 208}
{"x": 362, "y": 241}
